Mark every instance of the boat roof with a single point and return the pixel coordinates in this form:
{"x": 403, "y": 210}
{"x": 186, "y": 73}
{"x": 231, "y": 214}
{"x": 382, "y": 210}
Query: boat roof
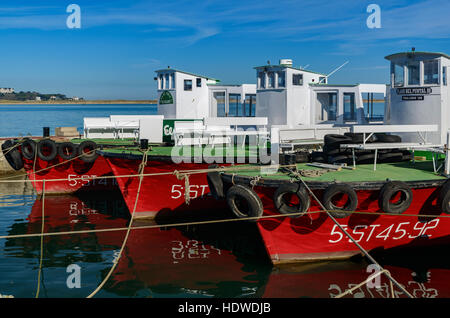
{"x": 188, "y": 73}
{"x": 434, "y": 54}
{"x": 288, "y": 66}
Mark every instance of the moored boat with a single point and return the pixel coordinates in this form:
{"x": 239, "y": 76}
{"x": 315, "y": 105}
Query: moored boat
{"x": 67, "y": 166}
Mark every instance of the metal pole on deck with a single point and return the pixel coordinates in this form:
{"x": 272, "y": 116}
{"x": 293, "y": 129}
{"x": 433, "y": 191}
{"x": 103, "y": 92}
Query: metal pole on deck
{"x": 447, "y": 154}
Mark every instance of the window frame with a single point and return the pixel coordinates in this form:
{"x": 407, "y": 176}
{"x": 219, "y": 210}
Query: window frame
{"x": 425, "y": 62}
{"x": 444, "y": 75}
{"x": 393, "y": 71}
{"x": 283, "y": 76}
{"x": 185, "y": 82}
{"x": 294, "y": 76}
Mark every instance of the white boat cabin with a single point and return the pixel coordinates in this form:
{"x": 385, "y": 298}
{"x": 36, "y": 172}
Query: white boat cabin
{"x": 289, "y": 97}
{"x": 419, "y": 93}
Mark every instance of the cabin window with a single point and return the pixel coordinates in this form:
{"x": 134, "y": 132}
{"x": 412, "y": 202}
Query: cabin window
{"x": 444, "y": 75}
{"x": 161, "y": 81}
{"x": 271, "y": 78}
{"x": 413, "y": 73}
{"x": 219, "y": 103}
{"x": 297, "y": 79}
{"x": 322, "y": 80}
{"x": 234, "y": 105}
{"x": 173, "y": 80}
{"x": 349, "y": 106}
{"x": 431, "y": 72}
{"x": 261, "y": 80}
{"x": 249, "y": 105}
{"x": 166, "y": 82}
{"x": 399, "y": 75}
{"x": 188, "y": 85}
{"x": 281, "y": 79}
{"x": 199, "y": 82}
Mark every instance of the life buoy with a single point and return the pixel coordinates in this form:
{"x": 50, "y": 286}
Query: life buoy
{"x": 46, "y": 149}
{"x": 12, "y": 155}
{"x": 389, "y": 192}
{"x": 444, "y": 197}
{"x": 28, "y": 149}
{"x": 215, "y": 183}
{"x": 283, "y": 205}
{"x": 244, "y": 202}
{"x": 336, "y": 190}
{"x": 86, "y": 151}
{"x": 67, "y": 150}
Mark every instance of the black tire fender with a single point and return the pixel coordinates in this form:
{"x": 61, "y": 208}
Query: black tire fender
{"x": 337, "y": 189}
{"x": 296, "y": 189}
{"x": 12, "y": 156}
{"x": 388, "y": 190}
{"x": 51, "y": 145}
{"x": 319, "y": 156}
{"x": 28, "y": 149}
{"x": 252, "y": 200}
{"x": 87, "y": 151}
{"x": 215, "y": 183}
{"x": 67, "y": 150}
{"x": 381, "y": 137}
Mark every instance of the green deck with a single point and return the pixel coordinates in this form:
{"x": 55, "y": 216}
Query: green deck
{"x": 166, "y": 151}
{"x": 401, "y": 171}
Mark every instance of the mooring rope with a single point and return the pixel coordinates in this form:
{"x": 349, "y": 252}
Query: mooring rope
{"x": 116, "y": 260}
{"x": 42, "y": 242}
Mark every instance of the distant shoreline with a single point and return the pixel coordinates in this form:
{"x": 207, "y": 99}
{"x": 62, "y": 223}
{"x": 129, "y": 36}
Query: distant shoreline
{"x": 81, "y": 102}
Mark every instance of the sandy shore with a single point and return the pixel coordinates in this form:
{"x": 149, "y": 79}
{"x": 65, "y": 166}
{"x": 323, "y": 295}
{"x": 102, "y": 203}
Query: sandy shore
{"x": 71, "y": 102}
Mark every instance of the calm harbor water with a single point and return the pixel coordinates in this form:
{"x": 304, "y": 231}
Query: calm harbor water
{"x": 218, "y": 260}
{"x": 17, "y": 120}
{"x": 195, "y": 261}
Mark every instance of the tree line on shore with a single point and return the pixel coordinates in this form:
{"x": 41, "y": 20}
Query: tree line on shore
{"x": 27, "y": 96}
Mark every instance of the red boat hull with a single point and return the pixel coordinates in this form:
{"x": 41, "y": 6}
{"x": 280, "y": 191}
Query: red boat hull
{"x": 162, "y": 195}
{"x": 314, "y": 236}
{"x": 75, "y": 175}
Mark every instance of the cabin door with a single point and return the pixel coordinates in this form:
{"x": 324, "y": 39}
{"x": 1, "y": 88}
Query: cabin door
{"x": 326, "y": 107}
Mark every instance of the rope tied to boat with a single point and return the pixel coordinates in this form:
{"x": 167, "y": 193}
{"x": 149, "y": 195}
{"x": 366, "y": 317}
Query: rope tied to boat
{"x": 255, "y": 181}
{"x": 184, "y": 176}
{"x": 119, "y": 255}
{"x": 308, "y": 173}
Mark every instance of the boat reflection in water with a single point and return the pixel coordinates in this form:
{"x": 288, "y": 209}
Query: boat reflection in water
{"x": 208, "y": 260}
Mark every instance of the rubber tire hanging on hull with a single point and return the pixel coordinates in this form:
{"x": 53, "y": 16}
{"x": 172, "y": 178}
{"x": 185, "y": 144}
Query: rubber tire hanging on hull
{"x": 295, "y": 189}
{"x": 72, "y": 153}
{"x": 13, "y": 156}
{"x": 253, "y": 202}
{"x": 49, "y": 144}
{"x": 388, "y": 190}
{"x": 215, "y": 183}
{"x": 90, "y": 155}
{"x": 28, "y": 149}
{"x": 336, "y": 189}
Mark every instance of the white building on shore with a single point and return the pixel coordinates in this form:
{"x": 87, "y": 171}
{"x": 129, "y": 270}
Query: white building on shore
{"x": 6, "y": 90}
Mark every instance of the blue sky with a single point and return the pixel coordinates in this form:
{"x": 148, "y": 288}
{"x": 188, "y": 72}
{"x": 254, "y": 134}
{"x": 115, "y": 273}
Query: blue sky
{"x": 121, "y": 43}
